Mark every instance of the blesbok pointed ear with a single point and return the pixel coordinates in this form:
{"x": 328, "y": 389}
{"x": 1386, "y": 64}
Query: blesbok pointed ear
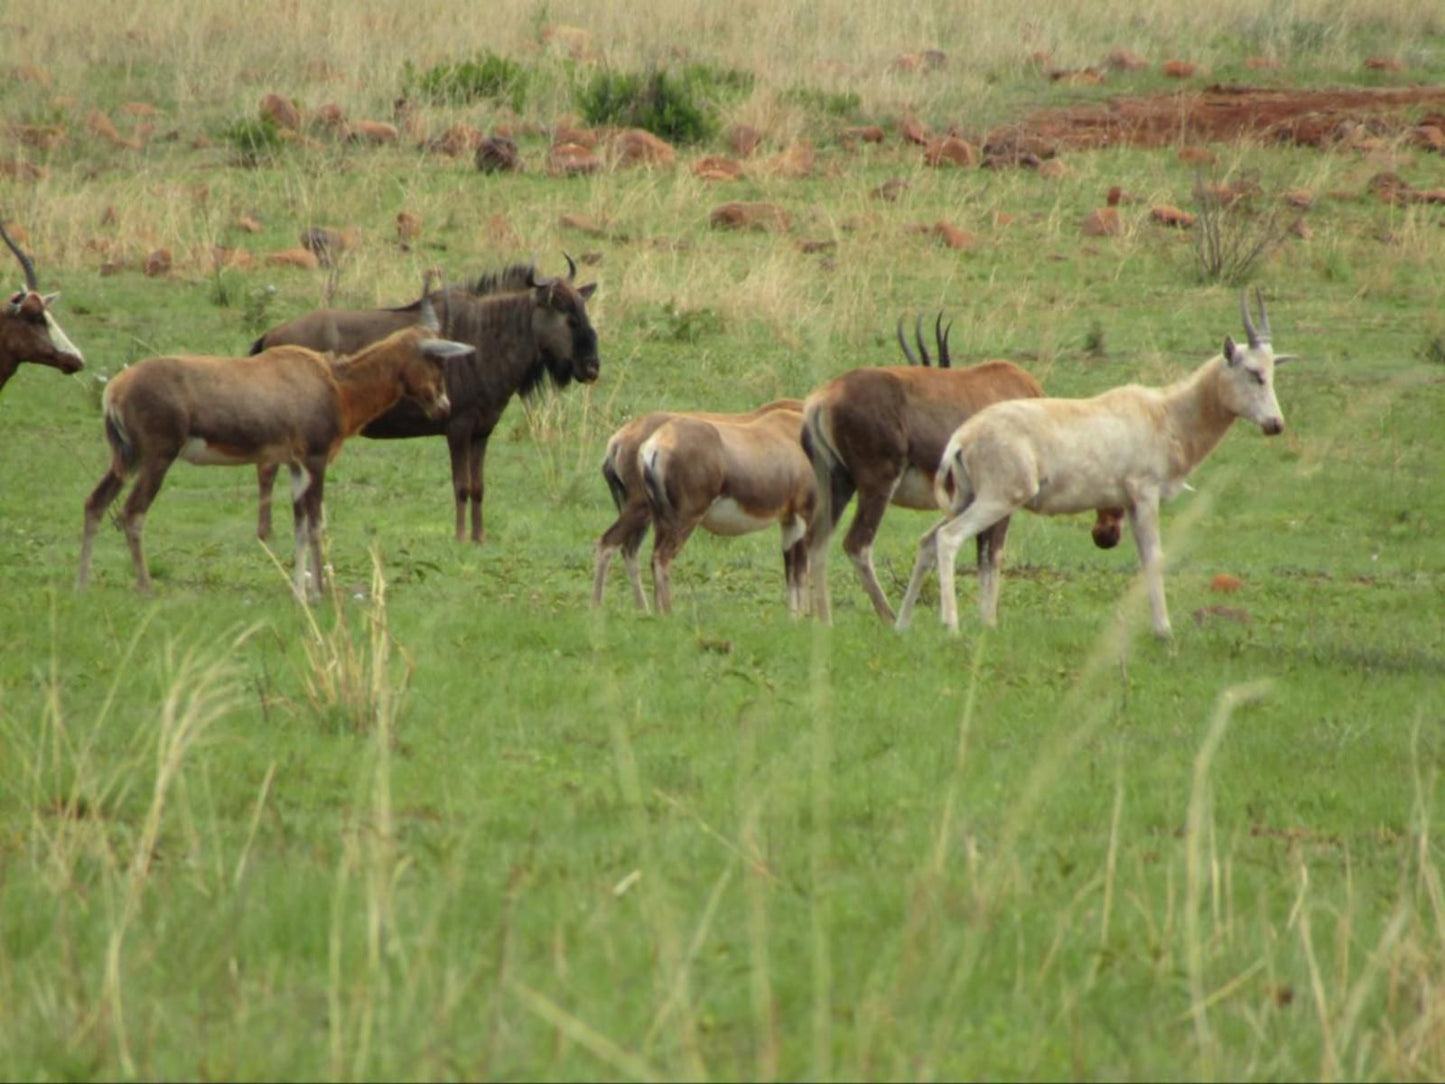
{"x": 51, "y": 299}
{"x": 442, "y": 349}
{"x": 1231, "y": 352}
{"x": 1280, "y": 359}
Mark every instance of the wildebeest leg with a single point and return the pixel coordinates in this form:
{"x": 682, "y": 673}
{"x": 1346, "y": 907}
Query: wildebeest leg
{"x": 990, "y": 554}
{"x": 858, "y": 544}
{"x": 96, "y": 504}
{"x": 477, "y": 455}
{"x": 147, "y": 484}
{"x": 625, "y": 534}
{"x": 668, "y": 541}
{"x": 265, "y": 483}
{"x": 457, "y": 445}
{"x": 1144, "y": 519}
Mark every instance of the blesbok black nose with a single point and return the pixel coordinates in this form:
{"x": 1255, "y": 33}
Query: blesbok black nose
{"x": 1273, "y": 427}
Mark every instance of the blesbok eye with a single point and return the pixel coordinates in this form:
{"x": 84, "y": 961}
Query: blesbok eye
{"x": 1259, "y": 378}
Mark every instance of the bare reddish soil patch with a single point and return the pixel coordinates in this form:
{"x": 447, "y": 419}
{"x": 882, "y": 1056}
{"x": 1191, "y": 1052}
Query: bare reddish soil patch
{"x": 1218, "y": 113}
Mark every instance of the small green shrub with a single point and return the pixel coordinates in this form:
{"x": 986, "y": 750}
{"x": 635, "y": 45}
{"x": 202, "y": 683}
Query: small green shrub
{"x": 681, "y": 108}
{"x": 486, "y": 77}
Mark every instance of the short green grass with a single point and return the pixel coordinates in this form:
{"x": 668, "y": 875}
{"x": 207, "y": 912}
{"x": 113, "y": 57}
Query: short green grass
{"x": 452, "y": 823}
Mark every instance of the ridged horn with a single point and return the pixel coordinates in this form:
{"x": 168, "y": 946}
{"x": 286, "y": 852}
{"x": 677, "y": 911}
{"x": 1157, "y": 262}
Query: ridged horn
{"x": 918, "y": 338}
{"x": 31, "y": 282}
{"x": 1249, "y": 328}
{"x": 903, "y": 342}
{"x": 940, "y": 334}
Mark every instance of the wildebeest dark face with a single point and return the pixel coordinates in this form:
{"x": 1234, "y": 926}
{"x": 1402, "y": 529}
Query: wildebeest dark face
{"x": 565, "y": 335}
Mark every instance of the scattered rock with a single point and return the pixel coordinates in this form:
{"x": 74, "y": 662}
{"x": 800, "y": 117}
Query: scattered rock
{"x": 570, "y": 160}
{"x": 498, "y": 154}
{"x": 33, "y": 73}
{"x": 639, "y": 147}
{"x": 950, "y": 151}
{"x": 570, "y": 133}
{"x": 1383, "y": 64}
{"x": 1390, "y": 187}
{"x": 1079, "y": 77}
{"x": 1301, "y": 229}
{"x": 376, "y": 132}
{"x": 1225, "y": 583}
{"x": 281, "y": 111}
{"x": 766, "y": 217}
{"x": 158, "y": 263}
{"x": 717, "y": 168}
{"x": 1102, "y": 222}
{"x": 955, "y": 237}
{"x": 332, "y": 117}
{"x": 1169, "y": 215}
{"x": 500, "y": 231}
{"x": 912, "y": 131}
{"x": 1125, "y": 60}
{"x": 744, "y": 139}
{"x": 408, "y": 226}
{"x": 570, "y": 41}
{"x": 1180, "y": 69}
{"x": 810, "y": 248}
{"x": 871, "y": 133}
{"x": 1301, "y": 198}
{"x": 328, "y": 245}
{"x": 796, "y": 162}
{"x": 42, "y": 137}
{"x": 98, "y": 124}
{"x": 1428, "y": 137}
{"x": 891, "y": 189}
{"x": 456, "y": 141}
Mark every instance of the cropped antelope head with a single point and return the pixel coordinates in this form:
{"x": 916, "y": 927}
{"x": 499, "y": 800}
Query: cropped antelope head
{"x": 1248, "y": 392}
{"x": 28, "y": 331}
{"x": 565, "y": 335}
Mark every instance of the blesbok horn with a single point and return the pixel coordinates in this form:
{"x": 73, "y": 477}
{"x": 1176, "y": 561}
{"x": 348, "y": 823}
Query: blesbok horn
{"x": 1263, "y": 316}
{"x": 1249, "y": 328}
{"x": 941, "y": 337}
{"x": 31, "y": 282}
{"x": 918, "y": 338}
{"x": 903, "y": 342}
{"x": 571, "y": 268}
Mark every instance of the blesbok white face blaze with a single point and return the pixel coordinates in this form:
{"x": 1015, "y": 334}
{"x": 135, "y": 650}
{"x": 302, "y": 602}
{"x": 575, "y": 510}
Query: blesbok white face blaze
{"x": 1249, "y": 391}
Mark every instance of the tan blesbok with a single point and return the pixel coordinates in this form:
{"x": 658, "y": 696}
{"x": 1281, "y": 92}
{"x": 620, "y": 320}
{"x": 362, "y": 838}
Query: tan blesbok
{"x": 731, "y": 478}
{"x": 28, "y": 331}
{"x": 1131, "y": 446}
{"x": 285, "y": 405}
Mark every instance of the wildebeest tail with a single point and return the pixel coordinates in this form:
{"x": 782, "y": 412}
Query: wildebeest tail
{"x": 834, "y": 483}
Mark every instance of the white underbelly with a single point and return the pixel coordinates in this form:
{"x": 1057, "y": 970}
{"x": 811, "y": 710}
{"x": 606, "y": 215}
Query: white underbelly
{"x": 727, "y": 517}
{"x": 915, "y": 490}
{"x": 197, "y": 450}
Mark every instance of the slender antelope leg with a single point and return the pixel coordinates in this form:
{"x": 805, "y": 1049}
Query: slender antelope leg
{"x": 927, "y": 558}
{"x": 626, "y": 534}
{"x": 147, "y": 484}
{"x": 1144, "y": 519}
{"x": 832, "y": 502}
{"x": 990, "y": 556}
{"x": 795, "y": 562}
{"x": 952, "y": 534}
{"x": 858, "y": 544}
{"x": 265, "y": 483}
{"x": 668, "y": 542}
{"x": 316, "y": 523}
{"x": 300, "y": 483}
{"x": 95, "y": 506}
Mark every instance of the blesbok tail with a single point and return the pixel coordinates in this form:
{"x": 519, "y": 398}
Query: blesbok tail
{"x": 952, "y": 487}
{"x": 122, "y": 448}
{"x": 614, "y": 482}
{"x": 834, "y": 484}
{"x": 649, "y": 459}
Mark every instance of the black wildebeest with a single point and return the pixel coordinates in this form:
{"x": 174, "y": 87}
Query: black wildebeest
{"x": 28, "y": 332}
{"x": 525, "y": 329}
{"x": 286, "y": 405}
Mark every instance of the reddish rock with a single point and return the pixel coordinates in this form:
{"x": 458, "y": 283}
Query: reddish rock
{"x": 1168, "y": 215}
{"x": 1383, "y": 64}
{"x": 42, "y": 137}
{"x": 1302, "y": 198}
{"x": 912, "y": 131}
{"x": 582, "y": 224}
{"x": 955, "y": 237}
{"x": 1429, "y": 195}
{"x": 717, "y": 168}
{"x": 498, "y": 154}
{"x": 1301, "y": 229}
{"x": 1225, "y": 583}
{"x": 744, "y": 139}
{"x": 408, "y": 225}
{"x": 1103, "y": 222}
{"x": 951, "y": 151}
{"x": 1389, "y": 187}
{"x": 570, "y": 160}
{"x": 1079, "y": 77}
{"x": 158, "y": 263}
{"x": 293, "y": 257}
{"x": 766, "y": 217}
{"x": 1262, "y": 64}
{"x": 812, "y": 248}
{"x": 871, "y": 133}
{"x": 281, "y": 111}
{"x": 1180, "y": 69}
{"x": 570, "y": 133}
{"x": 1428, "y": 137}
{"x": 638, "y": 147}
{"x": 796, "y": 162}
{"x": 98, "y": 124}
{"x": 377, "y": 132}
{"x": 236, "y": 259}
{"x": 1125, "y": 60}
{"x": 1196, "y": 156}
{"x": 891, "y": 189}
{"x": 331, "y": 116}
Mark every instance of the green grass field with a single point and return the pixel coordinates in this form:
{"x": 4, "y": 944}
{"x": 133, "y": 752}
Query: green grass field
{"x": 453, "y": 823}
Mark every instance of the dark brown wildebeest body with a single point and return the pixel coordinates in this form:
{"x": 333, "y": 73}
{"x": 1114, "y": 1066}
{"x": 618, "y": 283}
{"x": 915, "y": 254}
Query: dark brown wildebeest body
{"x": 526, "y": 330}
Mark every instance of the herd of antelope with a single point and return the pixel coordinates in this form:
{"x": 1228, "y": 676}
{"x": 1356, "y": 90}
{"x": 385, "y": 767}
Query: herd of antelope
{"x": 979, "y": 443}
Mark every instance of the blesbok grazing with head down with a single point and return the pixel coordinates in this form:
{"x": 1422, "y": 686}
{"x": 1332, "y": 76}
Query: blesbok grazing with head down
{"x": 28, "y": 332}
{"x": 285, "y": 405}
{"x": 1131, "y": 446}
{"x": 731, "y": 478}
{"x": 525, "y": 330}
{"x": 623, "y": 474}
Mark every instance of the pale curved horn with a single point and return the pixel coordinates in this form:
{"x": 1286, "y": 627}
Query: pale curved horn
{"x": 1263, "y": 316}
{"x": 1249, "y": 328}
{"x": 941, "y": 337}
{"x": 903, "y": 342}
{"x": 31, "y": 282}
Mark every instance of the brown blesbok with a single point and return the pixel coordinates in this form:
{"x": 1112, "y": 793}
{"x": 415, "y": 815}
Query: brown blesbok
{"x": 624, "y": 480}
{"x": 524, "y": 329}
{"x": 28, "y": 331}
{"x": 286, "y": 405}
{"x": 1132, "y": 446}
{"x": 731, "y": 478}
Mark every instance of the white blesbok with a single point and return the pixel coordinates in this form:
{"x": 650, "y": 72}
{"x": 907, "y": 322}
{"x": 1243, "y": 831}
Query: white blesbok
{"x": 1131, "y": 446}
{"x": 732, "y": 478}
{"x": 286, "y": 405}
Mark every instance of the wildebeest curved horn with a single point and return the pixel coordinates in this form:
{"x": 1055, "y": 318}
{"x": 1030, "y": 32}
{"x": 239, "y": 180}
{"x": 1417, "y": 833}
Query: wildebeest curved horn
{"x": 571, "y": 268}
{"x": 918, "y": 338}
{"x": 903, "y": 342}
{"x": 1249, "y": 328}
{"x": 31, "y": 282}
{"x": 940, "y": 335}
{"x": 1263, "y": 316}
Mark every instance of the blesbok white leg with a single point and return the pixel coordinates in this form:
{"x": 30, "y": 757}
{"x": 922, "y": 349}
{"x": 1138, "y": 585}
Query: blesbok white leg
{"x": 990, "y": 558}
{"x": 952, "y": 534}
{"x": 1144, "y": 521}
{"x": 927, "y": 558}
{"x": 300, "y": 482}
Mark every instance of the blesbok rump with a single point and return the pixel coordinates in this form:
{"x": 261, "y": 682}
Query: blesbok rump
{"x": 28, "y": 330}
{"x": 525, "y": 330}
{"x": 1132, "y": 446}
{"x": 731, "y": 478}
{"x": 285, "y": 405}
